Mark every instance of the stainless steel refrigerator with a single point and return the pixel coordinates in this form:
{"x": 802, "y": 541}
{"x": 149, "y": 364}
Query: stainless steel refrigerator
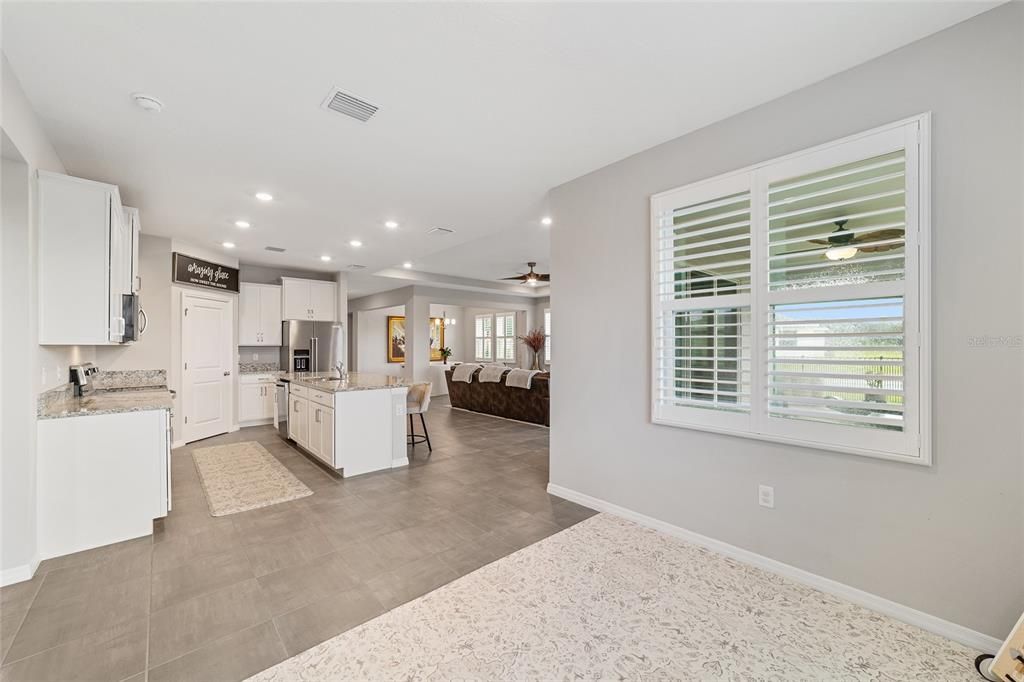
{"x": 312, "y": 346}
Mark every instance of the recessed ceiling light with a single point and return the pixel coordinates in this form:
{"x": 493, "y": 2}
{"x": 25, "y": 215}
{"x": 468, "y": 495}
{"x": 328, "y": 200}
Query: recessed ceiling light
{"x": 546, "y": 220}
{"x": 406, "y": 264}
{"x": 391, "y": 224}
{"x": 263, "y": 196}
{"x": 228, "y": 245}
{"x": 356, "y": 243}
{"x": 148, "y": 102}
{"x": 242, "y": 224}
{"x": 325, "y": 258}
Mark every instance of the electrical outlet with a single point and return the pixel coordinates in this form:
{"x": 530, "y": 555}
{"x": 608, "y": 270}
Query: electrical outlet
{"x": 255, "y": 357}
{"x": 766, "y": 496}
{"x": 399, "y": 410}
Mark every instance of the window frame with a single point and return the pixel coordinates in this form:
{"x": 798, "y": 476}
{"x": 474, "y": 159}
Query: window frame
{"x": 504, "y": 337}
{"x": 916, "y": 283}
{"x": 547, "y": 336}
{"x": 477, "y": 338}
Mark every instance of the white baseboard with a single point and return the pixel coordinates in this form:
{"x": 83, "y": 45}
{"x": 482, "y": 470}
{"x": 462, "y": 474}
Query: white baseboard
{"x": 255, "y": 422}
{"x": 925, "y": 621}
{"x": 177, "y": 444}
{"x": 19, "y": 574}
{"x": 400, "y": 462}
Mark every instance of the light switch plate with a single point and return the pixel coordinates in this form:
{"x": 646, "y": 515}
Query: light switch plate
{"x": 766, "y": 496}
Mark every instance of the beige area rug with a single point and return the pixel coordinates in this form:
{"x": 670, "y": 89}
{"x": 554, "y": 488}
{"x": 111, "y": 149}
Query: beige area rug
{"x": 241, "y": 476}
{"x": 607, "y": 599}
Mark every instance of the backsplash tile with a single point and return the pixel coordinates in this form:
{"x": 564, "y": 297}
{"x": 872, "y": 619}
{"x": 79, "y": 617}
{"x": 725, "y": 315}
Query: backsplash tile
{"x": 257, "y": 367}
{"x": 133, "y": 378}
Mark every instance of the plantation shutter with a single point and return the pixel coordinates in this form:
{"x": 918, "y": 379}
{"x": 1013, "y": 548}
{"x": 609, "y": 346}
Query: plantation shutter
{"x": 482, "y": 335}
{"x": 702, "y": 334}
{"x": 834, "y": 308}
{"x": 787, "y": 299}
{"x": 547, "y": 336}
{"x": 506, "y": 336}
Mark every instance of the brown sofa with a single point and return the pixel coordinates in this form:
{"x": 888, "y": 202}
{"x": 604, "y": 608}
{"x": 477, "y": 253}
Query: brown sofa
{"x": 526, "y": 405}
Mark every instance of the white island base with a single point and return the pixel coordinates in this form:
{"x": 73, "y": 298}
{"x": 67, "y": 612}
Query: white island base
{"x": 355, "y": 426}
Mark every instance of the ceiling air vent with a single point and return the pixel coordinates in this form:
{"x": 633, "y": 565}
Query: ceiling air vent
{"x": 344, "y": 103}
{"x": 440, "y": 230}
{"x": 275, "y": 249}
{"x": 357, "y": 267}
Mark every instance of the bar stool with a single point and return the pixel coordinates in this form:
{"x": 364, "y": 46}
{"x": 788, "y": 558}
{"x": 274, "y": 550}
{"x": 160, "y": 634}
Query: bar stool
{"x": 417, "y": 402}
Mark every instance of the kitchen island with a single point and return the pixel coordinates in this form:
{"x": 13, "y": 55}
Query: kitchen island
{"x": 354, "y": 426}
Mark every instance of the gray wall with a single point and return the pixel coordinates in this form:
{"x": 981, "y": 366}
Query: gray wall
{"x": 265, "y": 274}
{"x": 42, "y": 367}
{"x": 153, "y": 349}
{"x": 945, "y": 539}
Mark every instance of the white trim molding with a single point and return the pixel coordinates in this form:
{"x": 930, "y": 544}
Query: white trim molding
{"x": 19, "y": 574}
{"x": 725, "y": 321}
{"x": 925, "y": 621}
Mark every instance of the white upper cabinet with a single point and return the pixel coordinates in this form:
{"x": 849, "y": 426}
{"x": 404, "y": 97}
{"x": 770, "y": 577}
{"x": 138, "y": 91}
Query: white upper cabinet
{"x": 259, "y": 315}
{"x": 85, "y": 261}
{"x": 305, "y": 299}
{"x": 270, "y": 315}
{"x": 322, "y": 300}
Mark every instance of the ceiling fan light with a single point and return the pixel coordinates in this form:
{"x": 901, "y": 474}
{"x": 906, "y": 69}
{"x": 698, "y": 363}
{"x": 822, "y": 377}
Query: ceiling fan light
{"x": 841, "y": 252}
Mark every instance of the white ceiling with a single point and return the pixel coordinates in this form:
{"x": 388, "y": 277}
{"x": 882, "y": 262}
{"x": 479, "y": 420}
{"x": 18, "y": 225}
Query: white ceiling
{"x": 483, "y": 108}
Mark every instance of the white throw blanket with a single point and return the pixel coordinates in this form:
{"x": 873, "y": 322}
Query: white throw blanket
{"x": 491, "y": 374}
{"x": 464, "y": 372}
{"x": 521, "y": 378}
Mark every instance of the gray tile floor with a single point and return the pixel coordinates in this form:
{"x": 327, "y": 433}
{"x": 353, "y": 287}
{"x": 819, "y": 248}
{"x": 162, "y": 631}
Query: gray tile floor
{"x": 221, "y": 598}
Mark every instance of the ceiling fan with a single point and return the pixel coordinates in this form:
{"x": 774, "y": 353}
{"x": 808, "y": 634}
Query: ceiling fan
{"x": 844, "y": 245}
{"x": 532, "y": 278}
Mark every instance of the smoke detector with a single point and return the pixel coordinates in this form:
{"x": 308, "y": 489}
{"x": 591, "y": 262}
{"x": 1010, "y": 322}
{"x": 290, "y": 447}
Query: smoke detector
{"x": 148, "y": 102}
{"x": 350, "y": 105}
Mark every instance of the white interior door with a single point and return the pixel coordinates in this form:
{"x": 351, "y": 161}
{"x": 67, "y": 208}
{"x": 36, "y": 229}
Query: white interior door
{"x": 206, "y": 366}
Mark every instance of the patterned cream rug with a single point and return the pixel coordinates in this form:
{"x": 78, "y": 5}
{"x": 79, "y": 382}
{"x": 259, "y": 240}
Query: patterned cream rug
{"x": 241, "y": 476}
{"x": 607, "y": 599}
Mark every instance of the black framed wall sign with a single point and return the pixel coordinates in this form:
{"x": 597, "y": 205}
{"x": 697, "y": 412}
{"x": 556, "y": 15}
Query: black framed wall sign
{"x": 203, "y": 273}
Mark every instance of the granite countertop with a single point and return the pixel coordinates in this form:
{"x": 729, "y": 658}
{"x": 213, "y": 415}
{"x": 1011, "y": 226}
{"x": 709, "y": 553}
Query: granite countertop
{"x": 357, "y": 381}
{"x": 109, "y": 402}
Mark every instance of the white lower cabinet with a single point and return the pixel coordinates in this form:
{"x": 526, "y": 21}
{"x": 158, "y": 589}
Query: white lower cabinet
{"x": 298, "y": 420}
{"x": 101, "y": 479}
{"x": 316, "y": 432}
{"x": 327, "y": 435}
{"x": 311, "y": 425}
{"x": 256, "y": 399}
